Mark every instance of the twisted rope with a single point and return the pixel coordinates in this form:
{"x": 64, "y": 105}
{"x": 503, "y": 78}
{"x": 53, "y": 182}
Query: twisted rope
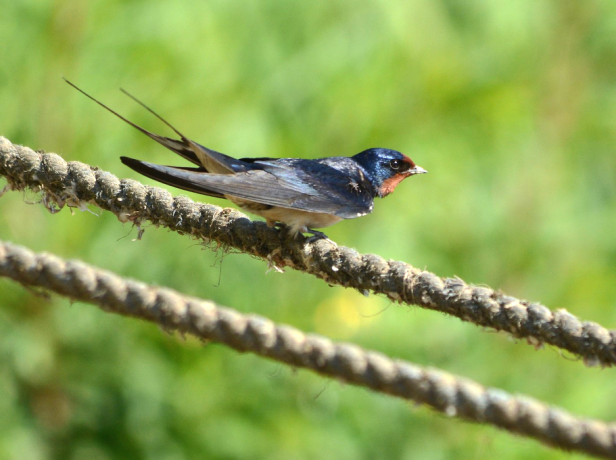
{"x": 446, "y": 393}
{"x": 77, "y": 184}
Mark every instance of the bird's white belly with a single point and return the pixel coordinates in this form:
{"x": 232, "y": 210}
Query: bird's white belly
{"x": 299, "y": 220}
{"x": 296, "y": 219}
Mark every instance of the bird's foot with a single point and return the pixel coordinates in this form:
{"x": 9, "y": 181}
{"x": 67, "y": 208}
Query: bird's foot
{"x": 288, "y": 231}
{"x": 316, "y": 235}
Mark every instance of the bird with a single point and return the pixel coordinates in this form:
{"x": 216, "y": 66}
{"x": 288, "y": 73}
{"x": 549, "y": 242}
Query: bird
{"x": 298, "y": 195}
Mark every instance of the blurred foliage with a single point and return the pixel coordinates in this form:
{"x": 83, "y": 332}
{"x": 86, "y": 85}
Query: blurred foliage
{"x": 509, "y": 105}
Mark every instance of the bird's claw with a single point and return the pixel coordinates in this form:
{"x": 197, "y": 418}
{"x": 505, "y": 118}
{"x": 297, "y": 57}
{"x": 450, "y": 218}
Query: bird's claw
{"x": 316, "y": 235}
{"x": 287, "y": 232}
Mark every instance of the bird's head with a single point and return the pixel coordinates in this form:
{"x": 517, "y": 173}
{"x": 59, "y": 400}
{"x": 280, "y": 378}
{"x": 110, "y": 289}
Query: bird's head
{"x": 387, "y": 168}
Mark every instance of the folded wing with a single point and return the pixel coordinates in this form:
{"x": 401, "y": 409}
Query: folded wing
{"x": 332, "y": 194}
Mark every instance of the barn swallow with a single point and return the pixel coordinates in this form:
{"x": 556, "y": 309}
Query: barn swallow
{"x": 301, "y": 194}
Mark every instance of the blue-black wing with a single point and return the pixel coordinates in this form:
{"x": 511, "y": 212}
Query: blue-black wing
{"x": 309, "y": 185}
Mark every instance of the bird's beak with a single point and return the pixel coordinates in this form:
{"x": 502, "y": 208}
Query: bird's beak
{"x": 417, "y": 170}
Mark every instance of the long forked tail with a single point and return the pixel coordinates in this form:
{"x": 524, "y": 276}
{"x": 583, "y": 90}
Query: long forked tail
{"x": 176, "y": 146}
{"x": 211, "y": 160}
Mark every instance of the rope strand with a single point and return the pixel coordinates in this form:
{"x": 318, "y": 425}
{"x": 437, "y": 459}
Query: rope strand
{"x": 444, "y": 392}
{"x": 77, "y": 184}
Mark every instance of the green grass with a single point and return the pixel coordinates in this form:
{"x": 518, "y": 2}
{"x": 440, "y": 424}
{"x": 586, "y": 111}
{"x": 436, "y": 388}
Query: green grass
{"x": 510, "y": 106}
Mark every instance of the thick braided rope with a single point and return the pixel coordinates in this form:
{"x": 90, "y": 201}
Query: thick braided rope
{"x": 443, "y": 392}
{"x": 77, "y": 184}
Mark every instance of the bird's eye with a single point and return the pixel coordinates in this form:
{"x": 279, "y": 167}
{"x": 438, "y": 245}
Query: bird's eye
{"x": 395, "y": 164}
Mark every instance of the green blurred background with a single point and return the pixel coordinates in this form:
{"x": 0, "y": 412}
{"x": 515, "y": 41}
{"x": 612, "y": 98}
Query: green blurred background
{"x": 510, "y": 106}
